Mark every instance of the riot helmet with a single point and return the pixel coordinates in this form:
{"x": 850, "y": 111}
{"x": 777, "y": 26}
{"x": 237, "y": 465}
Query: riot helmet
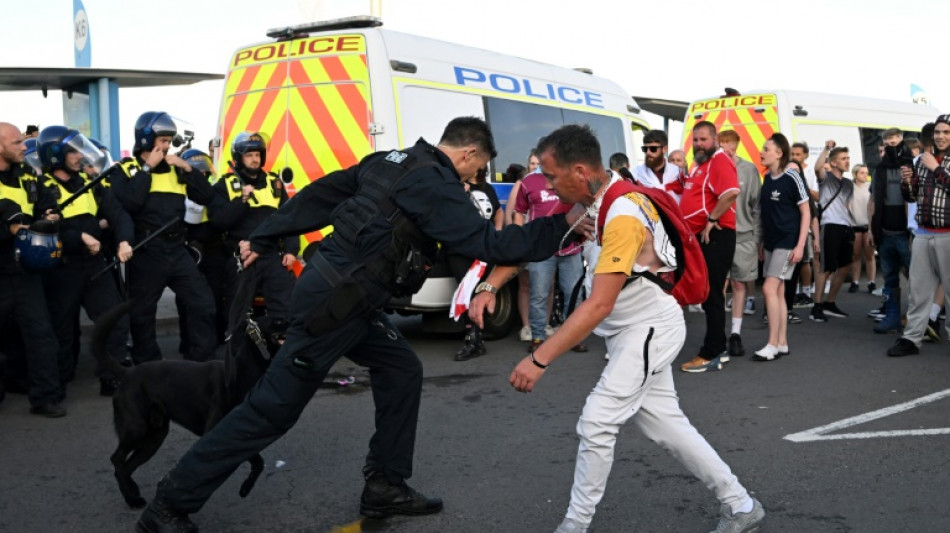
{"x": 199, "y": 161}
{"x": 105, "y": 163}
{"x": 55, "y": 142}
{"x": 149, "y": 126}
{"x": 247, "y": 142}
{"x": 32, "y": 157}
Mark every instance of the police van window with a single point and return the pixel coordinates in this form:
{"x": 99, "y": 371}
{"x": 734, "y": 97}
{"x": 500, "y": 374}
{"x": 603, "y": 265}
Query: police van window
{"x": 871, "y": 139}
{"x": 517, "y": 127}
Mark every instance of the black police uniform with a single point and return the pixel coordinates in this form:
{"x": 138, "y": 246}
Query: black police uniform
{"x": 153, "y": 198}
{"x": 336, "y": 312}
{"x": 21, "y": 293}
{"x": 239, "y": 219}
{"x": 71, "y": 286}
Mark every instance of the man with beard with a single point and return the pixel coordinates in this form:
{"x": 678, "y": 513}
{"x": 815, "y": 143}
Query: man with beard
{"x": 708, "y": 205}
{"x": 654, "y": 172}
{"x": 927, "y": 184}
{"x": 889, "y": 225}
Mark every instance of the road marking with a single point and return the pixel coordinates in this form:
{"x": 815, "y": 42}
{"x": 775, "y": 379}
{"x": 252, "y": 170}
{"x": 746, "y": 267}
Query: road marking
{"x": 819, "y": 433}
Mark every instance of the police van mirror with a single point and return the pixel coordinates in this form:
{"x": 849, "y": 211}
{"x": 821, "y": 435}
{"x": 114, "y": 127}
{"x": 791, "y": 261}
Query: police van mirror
{"x": 287, "y": 175}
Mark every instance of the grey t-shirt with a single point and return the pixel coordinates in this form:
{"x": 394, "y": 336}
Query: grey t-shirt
{"x": 837, "y": 212}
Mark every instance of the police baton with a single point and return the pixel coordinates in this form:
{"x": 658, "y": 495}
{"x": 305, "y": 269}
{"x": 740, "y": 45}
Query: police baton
{"x": 144, "y": 241}
{"x": 82, "y": 190}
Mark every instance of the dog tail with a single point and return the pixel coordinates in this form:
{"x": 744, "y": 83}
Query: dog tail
{"x": 100, "y": 336}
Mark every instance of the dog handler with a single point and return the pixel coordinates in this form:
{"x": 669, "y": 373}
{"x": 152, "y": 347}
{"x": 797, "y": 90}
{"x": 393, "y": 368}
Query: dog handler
{"x": 388, "y": 212}
{"x": 644, "y": 330}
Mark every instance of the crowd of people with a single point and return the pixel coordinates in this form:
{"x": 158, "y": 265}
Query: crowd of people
{"x": 154, "y": 212}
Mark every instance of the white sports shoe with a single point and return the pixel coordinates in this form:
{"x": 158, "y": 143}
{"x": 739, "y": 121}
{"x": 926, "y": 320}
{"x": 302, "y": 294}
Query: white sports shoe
{"x": 525, "y": 334}
{"x": 571, "y": 526}
{"x": 740, "y": 522}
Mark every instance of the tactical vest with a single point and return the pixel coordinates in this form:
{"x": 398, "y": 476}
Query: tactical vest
{"x": 87, "y": 204}
{"x": 267, "y": 196}
{"x": 402, "y": 266}
{"x": 25, "y": 195}
{"x": 166, "y": 182}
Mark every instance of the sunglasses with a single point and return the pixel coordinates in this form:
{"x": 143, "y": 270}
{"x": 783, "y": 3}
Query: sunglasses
{"x": 651, "y": 149}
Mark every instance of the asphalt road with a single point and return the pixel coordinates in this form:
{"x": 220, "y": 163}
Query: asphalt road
{"x": 503, "y": 461}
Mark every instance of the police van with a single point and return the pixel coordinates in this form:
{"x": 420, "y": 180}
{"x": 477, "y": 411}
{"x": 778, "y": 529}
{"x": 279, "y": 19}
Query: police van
{"x": 329, "y": 93}
{"x": 851, "y": 121}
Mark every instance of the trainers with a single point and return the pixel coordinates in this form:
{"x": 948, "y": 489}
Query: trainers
{"x": 698, "y": 364}
{"x": 933, "y": 331}
{"x": 803, "y": 301}
{"x": 695, "y": 309}
{"x": 729, "y": 304}
{"x": 740, "y": 522}
{"x": 793, "y": 318}
{"x": 571, "y": 526}
{"x": 548, "y": 330}
{"x": 877, "y": 292}
{"x": 381, "y": 499}
{"x": 876, "y": 314}
{"x": 903, "y": 347}
{"x": 817, "y": 314}
{"x": 157, "y": 518}
{"x": 535, "y": 344}
{"x": 471, "y": 348}
{"x": 783, "y": 350}
{"x": 525, "y": 334}
{"x": 831, "y": 309}
{"x": 767, "y": 353}
{"x": 853, "y": 288}
{"x": 735, "y": 345}
{"x": 50, "y": 410}
{"x": 872, "y": 287}
{"x": 749, "y": 306}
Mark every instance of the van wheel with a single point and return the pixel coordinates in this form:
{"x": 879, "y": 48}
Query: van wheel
{"x": 499, "y": 323}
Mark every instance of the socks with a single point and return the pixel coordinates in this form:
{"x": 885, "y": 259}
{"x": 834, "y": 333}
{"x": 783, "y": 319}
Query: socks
{"x": 934, "y": 312}
{"x": 736, "y": 325}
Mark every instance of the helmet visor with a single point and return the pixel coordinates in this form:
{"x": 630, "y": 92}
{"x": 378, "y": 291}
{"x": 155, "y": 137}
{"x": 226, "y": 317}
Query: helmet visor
{"x": 94, "y": 161}
{"x": 202, "y": 163}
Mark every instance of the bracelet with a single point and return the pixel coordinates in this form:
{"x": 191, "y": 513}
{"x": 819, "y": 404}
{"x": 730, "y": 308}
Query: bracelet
{"x": 536, "y": 363}
{"x": 713, "y": 220}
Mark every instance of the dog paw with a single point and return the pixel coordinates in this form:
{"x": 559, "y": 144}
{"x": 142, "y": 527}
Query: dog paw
{"x": 137, "y": 502}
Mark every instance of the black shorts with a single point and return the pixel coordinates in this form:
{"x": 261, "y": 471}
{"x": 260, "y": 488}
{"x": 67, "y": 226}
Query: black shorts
{"x": 837, "y": 247}
{"x": 859, "y": 229}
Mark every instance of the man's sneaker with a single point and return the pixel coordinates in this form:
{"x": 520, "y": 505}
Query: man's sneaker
{"x": 698, "y": 364}
{"x": 903, "y": 347}
{"x": 525, "y": 334}
{"x": 817, "y": 314}
{"x": 877, "y": 292}
{"x": 735, "y": 345}
{"x": 853, "y": 288}
{"x": 50, "y": 410}
{"x": 803, "y": 301}
{"x": 157, "y": 518}
{"x": 749, "y": 306}
{"x": 381, "y": 499}
{"x": 933, "y": 331}
{"x": 729, "y": 304}
{"x": 876, "y": 314}
{"x": 695, "y": 309}
{"x": 548, "y": 331}
{"x": 571, "y": 526}
{"x": 471, "y": 348}
{"x": 872, "y": 287}
{"x": 740, "y": 522}
{"x": 831, "y": 309}
{"x": 767, "y": 353}
{"x": 535, "y": 344}
{"x": 793, "y": 318}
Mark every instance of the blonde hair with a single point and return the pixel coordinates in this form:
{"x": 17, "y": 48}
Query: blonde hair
{"x": 855, "y": 168}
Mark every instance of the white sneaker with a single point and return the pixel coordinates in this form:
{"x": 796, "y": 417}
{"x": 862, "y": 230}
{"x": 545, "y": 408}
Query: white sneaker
{"x": 696, "y": 309}
{"x": 525, "y": 334}
{"x": 548, "y": 330}
{"x": 768, "y": 353}
{"x": 740, "y": 522}
{"x": 571, "y": 526}
{"x": 749, "y": 306}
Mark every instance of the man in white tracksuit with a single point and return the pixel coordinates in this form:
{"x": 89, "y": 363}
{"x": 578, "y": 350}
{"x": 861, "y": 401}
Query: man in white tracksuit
{"x": 644, "y": 331}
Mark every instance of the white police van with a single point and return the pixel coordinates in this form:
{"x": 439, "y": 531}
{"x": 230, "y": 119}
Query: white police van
{"x": 328, "y": 93}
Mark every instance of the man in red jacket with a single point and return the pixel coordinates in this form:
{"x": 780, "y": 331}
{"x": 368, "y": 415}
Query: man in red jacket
{"x": 708, "y": 205}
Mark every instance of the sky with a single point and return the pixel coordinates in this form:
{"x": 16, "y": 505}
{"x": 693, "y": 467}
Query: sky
{"x": 676, "y": 49}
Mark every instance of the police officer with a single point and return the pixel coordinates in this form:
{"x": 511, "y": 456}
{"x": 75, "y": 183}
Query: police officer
{"x": 152, "y": 187}
{"x": 252, "y": 196}
{"x": 388, "y": 213}
{"x": 62, "y": 152}
{"x": 207, "y": 244}
{"x": 21, "y": 292}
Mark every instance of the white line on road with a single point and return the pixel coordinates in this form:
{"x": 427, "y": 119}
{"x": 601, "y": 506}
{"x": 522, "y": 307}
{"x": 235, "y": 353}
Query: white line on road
{"x": 819, "y": 433}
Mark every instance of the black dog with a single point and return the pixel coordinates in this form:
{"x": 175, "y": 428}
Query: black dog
{"x": 193, "y": 395}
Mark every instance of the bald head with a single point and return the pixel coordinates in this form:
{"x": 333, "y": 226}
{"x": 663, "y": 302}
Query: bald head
{"x": 11, "y": 146}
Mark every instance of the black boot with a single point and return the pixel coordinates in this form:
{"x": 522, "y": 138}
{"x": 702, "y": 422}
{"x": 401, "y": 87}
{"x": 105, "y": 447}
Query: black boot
{"x": 381, "y": 499}
{"x": 473, "y": 347}
{"x": 158, "y": 518}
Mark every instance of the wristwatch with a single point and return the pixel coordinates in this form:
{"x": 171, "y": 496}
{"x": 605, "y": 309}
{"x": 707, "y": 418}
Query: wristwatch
{"x": 485, "y": 287}
{"x": 146, "y": 168}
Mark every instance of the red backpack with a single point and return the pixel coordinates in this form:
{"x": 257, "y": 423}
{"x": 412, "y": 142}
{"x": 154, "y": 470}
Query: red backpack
{"x": 689, "y": 283}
